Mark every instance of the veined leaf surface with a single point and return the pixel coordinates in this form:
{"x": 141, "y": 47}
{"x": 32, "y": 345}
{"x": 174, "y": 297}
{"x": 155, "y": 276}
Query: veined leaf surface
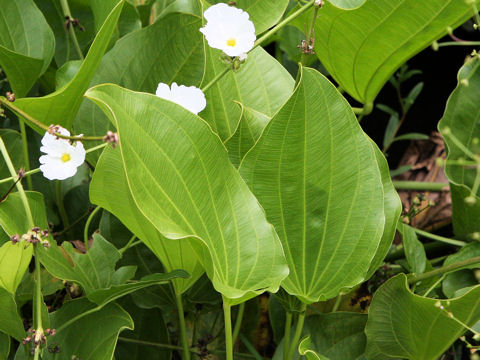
{"x": 189, "y": 189}
{"x": 315, "y": 172}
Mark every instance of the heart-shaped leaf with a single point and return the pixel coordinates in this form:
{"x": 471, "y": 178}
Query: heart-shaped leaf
{"x": 186, "y": 192}
{"x": 26, "y": 45}
{"x": 362, "y": 48}
{"x": 108, "y": 181}
{"x": 311, "y": 166}
{"x": 404, "y": 325}
{"x": 60, "y": 107}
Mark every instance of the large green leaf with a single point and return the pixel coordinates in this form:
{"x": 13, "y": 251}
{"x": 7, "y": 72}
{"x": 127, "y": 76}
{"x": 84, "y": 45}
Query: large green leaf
{"x": 26, "y": 43}
{"x": 263, "y": 13}
{"x": 108, "y": 181}
{"x": 93, "y": 336}
{"x": 14, "y": 259}
{"x": 261, "y": 84}
{"x": 10, "y": 322}
{"x": 60, "y": 107}
{"x": 312, "y": 166}
{"x": 460, "y": 128}
{"x": 362, "y": 48}
{"x": 171, "y": 50}
{"x": 188, "y": 188}
{"x": 404, "y": 325}
{"x": 4, "y": 346}
{"x": 347, "y": 4}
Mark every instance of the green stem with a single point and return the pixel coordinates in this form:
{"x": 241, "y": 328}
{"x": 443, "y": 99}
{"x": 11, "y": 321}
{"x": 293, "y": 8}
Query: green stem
{"x": 34, "y": 171}
{"x": 215, "y": 79}
{"x": 130, "y": 244}
{"x": 183, "y": 327}
{"x": 41, "y": 125}
{"x": 420, "y": 185}
{"x": 338, "y": 301}
{"x": 37, "y": 310}
{"x": 412, "y": 279}
{"x": 284, "y": 22}
{"x": 286, "y": 337}
{"x": 238, "y": 321}
{"x": 20, "y": 189}
{"x": 365, "y": 110}
{"x": 61, "y": 208}
{"x": 309, "y": 35}
{"x": 439, "y": 238}
{"x": 71, "y": 29}
{"x": 154, "y": 344}
{"x": 298, "y": 332}
{"x": 447, "y": 132}
{"x": 430, "y": 289}
{"x": 228, "y": 330}
{"x": 458, "y": 43}
{"x": 26, "y": 157}
{"x": 87, "y": 226}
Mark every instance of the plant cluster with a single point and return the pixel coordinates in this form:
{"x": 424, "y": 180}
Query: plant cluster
{"x": 190, "y": 179}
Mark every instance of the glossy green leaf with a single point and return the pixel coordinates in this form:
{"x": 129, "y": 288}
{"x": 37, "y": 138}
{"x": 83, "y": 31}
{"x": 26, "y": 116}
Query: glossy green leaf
{"x": 392, "y": 207}
{"x": 261, "y": 84}
{"x": 10, "y": 322}
{"x": 347, "y": 4}
{"x": 362, "y": 48}
{"x": 404, "y": 325}
{"x": 26, "y": 44}
{"x": 463, "y": 278}
{"x": 465, "y": 214}
{"x": 414, "y": 250}
{"x": 108, "y": 181}
{"x": 189, "y": 188}
{"x": 93, "y": 270}
{"x": 4, "y": 346}
{"x": 129, "y": 19}
{"x": 337, "y": 336}
{"x": 104, "y": 296}
{"x": 305, "y": 349}
{"x": 263, "y": 13}
{"x": 171, "y": 51}
{"x": 248, "y": 131}
{"x": 145, "y": 330}
{"x": 60, "y": 107}
{"x": 25, "y": 290}
{"x": 312, "y": 166}
{"x": 93, "y": 336}
{"x": 14, "y": 259}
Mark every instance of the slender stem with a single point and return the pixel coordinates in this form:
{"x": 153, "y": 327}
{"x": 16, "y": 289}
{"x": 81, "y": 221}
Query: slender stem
{"x": 149, "y": 343}
{"x": 309, "y": 35}
{"x": 286, "y": 337}
{"x": 365, "y": 110}
{"x": 61, "y": 208}
{"x": 26, "y": 157}
{"x": 130, "y": 244}
{"x": 284, "y": 22}
{"x": 183, "y": 327}
{"x": 421, "y": 186}
{"x": 430, "y": 289}
{"x": 87, "y": 226}
{"x": 228, "y": 330}
{"x": 458, "y": 43}
{"x": 37, "y": 310}
{"x": 448, "y": 132}
{"x": 238, "y": 321}
{"x": 34, "y": 171}
{"x": 215, "y": 79}
{"x": 338, "y": 301}
{"x": 41, "y": 125}
{"x": 439, "y": 238}
{"x": 443, "y": 270}
{"x": 20, "y": 189}
{"x": 71, "y": 29}
{"x": 298, "y": 332}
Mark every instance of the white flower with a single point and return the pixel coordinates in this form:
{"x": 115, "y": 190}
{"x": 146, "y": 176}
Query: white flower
{"x": 191, "y": 98}
{"x": 62, "y": 158}
{"x": 229, "y": 29}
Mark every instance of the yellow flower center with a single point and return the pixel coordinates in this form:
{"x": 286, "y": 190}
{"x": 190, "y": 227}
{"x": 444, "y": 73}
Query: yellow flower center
{"x": 65, "y": 158}
{"x": 231, "y": 42}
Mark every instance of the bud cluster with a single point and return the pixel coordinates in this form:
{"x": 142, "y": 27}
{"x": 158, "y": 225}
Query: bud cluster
{"x": 111, "y": 138}
{"x": 38, "y": 337}
{"x": 34, "y": 236}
